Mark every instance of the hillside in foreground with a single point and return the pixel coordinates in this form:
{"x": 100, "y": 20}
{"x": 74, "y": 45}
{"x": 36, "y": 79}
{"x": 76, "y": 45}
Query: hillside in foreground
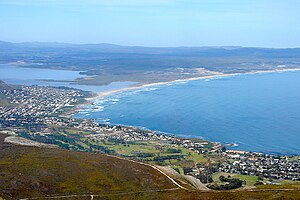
{"x": 42, "y": 173}
{"x": 35, "y": 172}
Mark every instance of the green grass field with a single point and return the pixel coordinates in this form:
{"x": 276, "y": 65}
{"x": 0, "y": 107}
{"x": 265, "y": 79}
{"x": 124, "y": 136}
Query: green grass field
{"x": 157, "y": 149}
{"x": 250, "y": 180}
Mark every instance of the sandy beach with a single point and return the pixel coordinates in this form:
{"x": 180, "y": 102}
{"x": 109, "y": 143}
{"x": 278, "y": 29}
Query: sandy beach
{"x": 135, "y": 87}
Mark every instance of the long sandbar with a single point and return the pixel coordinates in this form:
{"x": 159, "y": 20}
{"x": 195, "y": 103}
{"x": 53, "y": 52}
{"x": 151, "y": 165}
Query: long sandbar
{"x": 111, "y": 92}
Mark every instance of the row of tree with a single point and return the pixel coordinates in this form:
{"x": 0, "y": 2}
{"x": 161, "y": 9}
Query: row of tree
{"x": 229, "y": 184}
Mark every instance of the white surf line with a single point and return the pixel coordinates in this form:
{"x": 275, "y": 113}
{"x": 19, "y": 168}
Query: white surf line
{"x": 221, "y": 75}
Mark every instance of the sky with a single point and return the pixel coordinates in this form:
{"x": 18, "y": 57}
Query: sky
{"x": 259, "y": 23}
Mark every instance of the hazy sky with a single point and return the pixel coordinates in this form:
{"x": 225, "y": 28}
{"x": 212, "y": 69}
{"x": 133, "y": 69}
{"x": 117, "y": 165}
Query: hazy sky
{"x": 265, "y": 23}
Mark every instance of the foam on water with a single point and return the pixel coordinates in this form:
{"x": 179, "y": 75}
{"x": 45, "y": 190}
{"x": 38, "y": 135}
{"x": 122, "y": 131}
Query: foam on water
{"x": 258, "y": 112}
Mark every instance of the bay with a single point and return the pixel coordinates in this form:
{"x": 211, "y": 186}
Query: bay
{"x": 258, "y": 112}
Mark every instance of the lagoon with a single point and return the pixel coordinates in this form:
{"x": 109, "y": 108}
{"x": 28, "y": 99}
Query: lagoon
{"x": 13, "y": 74}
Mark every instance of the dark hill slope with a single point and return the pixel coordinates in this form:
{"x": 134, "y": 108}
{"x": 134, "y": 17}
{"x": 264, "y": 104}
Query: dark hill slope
{"x": 4, "y": 86}
{"x": 34, "y": 172}
{"x": 29, "y": 172}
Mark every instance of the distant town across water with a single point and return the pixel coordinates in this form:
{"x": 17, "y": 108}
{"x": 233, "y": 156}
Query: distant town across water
{"x": 14, "y": 74}
{"x": 259, "y": 112}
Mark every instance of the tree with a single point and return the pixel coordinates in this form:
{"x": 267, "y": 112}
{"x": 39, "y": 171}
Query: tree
{"x": 258, "y": 183}
{"x": 209, "y": 179}
{"x": 222, "y": 178}
{"x": 223, "y": 149}
{"x": 260, "y": 177}
{"x": 187, "y": 170}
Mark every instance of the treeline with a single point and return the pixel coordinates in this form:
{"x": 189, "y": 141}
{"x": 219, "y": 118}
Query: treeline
{"x": 59, "y": 140}
{"x": 168, "y": 157}
{"x": 230, "y": 183}
{"x": 66, "y": 142}
{"x": 171, "y": 150}
{"x": 143, "y": 154}
{"x": 99, "y": 148}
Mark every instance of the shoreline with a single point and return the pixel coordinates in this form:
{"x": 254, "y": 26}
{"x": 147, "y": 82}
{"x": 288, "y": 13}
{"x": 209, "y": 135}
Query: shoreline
{"x": 227, "y": 145}
{"x": 135, "y": 87}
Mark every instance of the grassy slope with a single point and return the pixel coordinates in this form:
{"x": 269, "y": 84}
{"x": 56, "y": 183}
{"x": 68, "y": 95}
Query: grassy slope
{"x": 4, "y": 101}
{"x": 31, "y": 171}
{"x": 150, "y": 147}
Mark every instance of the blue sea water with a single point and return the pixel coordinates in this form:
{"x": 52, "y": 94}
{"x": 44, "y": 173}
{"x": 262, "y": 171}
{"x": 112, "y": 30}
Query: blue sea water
{"x": 259, "y": 112}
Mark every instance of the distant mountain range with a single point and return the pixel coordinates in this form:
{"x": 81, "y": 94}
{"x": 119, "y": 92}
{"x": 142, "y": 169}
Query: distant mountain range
{"x": 143, "y": 49}
{"x": 111, "y": 62}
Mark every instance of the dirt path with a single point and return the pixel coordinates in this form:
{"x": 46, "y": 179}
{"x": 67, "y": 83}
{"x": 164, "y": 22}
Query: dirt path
{"x": 99, "y": 195}
{"x": 154, "y": 167}
{"x": 145, "y": 191}
{"x": 187, "y": 179}
{"x": 178, "y": 186}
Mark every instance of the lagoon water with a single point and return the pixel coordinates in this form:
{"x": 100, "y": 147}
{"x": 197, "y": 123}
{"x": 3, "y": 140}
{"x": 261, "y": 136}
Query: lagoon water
{"x": 17, "y": 75}
{"x": 259, "y": 112}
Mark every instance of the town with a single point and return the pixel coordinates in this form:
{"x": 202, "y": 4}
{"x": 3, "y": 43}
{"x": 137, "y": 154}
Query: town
{"x": 258, "y": 164}
{"x": 43, "y": 114}
{"x": 37, "y": 101}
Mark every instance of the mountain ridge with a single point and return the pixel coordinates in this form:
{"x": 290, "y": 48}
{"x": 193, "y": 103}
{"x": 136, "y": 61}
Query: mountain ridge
{"x": 110, "y": 45}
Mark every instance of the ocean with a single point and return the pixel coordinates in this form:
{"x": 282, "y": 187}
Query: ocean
{"x": 258, "y": 112}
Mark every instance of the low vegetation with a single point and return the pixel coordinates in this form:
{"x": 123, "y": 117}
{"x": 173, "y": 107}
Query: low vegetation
{"x": 227, "y": 183}
{"x": 248, "y": 180}
{"x": 224, "y": 195}
{"x": 32, "y": 171}
{"x": 153, "y": 152}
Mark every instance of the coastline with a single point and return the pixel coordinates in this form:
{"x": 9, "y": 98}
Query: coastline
{"x": 229, "y": 145}
{"x": 112, "y": 92}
